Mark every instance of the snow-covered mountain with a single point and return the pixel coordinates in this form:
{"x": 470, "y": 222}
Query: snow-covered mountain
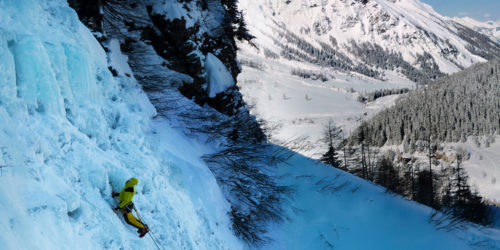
{"x": 385, "y": 34}
{"x": 489, "y": 28}
{"x": 314, "y": 58}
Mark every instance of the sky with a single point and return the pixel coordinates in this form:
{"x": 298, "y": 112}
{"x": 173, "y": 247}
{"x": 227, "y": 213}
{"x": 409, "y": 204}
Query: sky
{"x": 483, "y": 10}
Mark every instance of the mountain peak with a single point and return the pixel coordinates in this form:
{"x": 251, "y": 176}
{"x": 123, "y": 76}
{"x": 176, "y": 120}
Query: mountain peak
{"x": 407, "y": 28}
{"x": 488, "y": 28}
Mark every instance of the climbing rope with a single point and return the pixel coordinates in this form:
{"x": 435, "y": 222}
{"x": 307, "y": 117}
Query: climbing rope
{"x": 151, "y": 234}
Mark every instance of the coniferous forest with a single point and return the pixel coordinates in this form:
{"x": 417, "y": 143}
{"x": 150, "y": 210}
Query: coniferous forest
{"x": 448, "y": 110}
{"x": 452, "y": 109}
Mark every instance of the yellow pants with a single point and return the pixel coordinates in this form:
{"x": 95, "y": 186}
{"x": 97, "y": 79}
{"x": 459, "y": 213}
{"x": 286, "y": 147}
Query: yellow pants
{"x": 132, "y": 220}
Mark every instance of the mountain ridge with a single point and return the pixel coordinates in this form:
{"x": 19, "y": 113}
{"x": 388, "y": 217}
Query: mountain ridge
{"x": 488, "y": 28}
{"x": 406, "y": 28}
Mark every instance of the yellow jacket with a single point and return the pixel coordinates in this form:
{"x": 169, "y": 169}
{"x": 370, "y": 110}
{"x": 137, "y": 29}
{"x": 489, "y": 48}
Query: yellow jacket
{"x": 127, "y": 192}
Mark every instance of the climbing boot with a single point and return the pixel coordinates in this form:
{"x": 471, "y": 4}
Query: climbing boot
{"x": 143, "y": 231}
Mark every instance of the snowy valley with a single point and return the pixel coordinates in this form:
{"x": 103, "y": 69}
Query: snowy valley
{"x": 93, "y": 93}
{"x": 319, "y": 45}
{"x": 299, "y": 95}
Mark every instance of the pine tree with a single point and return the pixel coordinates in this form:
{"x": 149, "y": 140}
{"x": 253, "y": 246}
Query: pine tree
{"x": 367, "y": 154}
{"x": 431, "y": 148}
{"x": 331, "y": 158}
{"x": 447, "y": 199}
{"x": 424, "y": 191}
{"x": 237, "y": 21}
{"x": 332, "y": 137}
{"x": 242, "y": 32}
{"x": 408, "y": 182}
{"x": 361, "y": 140}
{"x": 476, "y": 211}
{"x": 462, "y": 201}
{"x": 387, "y": 176}
{"x": 462, "y": 188}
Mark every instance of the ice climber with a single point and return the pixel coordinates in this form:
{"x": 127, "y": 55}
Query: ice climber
{"x": 125, "y": 198}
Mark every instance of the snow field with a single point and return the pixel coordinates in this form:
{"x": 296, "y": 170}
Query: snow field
{"x": 483, "y": 167}
{"x": 300, "y": 108}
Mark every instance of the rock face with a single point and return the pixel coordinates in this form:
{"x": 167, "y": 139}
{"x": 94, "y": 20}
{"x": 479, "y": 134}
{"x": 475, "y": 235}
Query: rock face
{"x": 178, "y": 34}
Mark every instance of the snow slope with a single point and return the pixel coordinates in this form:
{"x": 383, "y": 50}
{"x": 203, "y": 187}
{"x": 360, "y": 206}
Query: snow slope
{"x": 335, "y": 210}
{"x": 218, "y": 78}
{"x": 489, "y": 28}
{"x": 299, "y": 108}
{"x": 69, "y": 129}
{"x": 409, "y": 27}
{"x": 483, "y": 167}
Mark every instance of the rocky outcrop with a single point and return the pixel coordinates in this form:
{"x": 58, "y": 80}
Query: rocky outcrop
{"x": 181, "y": 33}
